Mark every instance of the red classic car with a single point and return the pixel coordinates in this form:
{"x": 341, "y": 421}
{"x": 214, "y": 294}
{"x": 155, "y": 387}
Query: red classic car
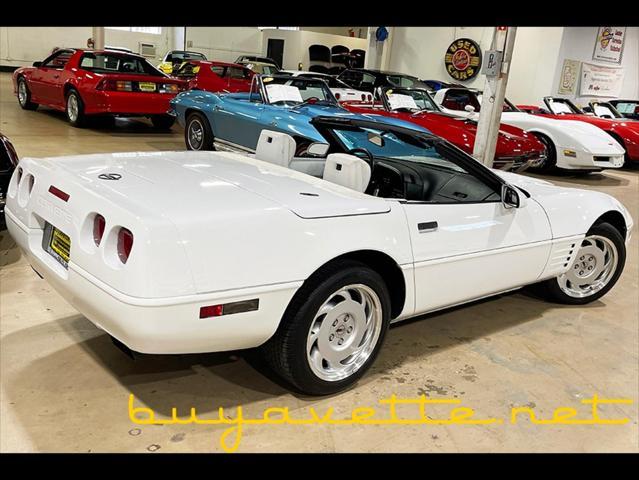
{"x": 625, "y": 131}
{"x": 216, "y": 76}
{"x": 85, "y": 83}
{"x": 515, "y": 149}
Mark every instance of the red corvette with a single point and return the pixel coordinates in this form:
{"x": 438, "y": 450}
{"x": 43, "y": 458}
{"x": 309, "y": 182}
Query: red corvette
{"x": 216, "y": 76}
{"x": 515, "y": 150}
{"x": 85, "y": 83}
{"x": 626, "y": 132}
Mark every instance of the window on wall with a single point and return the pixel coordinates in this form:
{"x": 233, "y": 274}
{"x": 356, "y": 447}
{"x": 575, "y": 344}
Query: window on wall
{"x": 153, "y": 30}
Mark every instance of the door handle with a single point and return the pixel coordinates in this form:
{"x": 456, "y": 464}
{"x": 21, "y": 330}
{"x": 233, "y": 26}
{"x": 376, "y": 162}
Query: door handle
{"x": 426, "y": 227}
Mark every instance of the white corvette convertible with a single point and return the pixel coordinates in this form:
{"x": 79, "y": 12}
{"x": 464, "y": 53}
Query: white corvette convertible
{"x": 181, "y": 252}
{"x": 571, "y": 145}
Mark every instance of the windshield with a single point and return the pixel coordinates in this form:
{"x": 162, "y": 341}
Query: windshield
{"x": 181, "y": 56}
{"x": 559, "y": 107}
{"x": 296, "y": 90}
{"x": 405, "y": 81}
{"x": 508, "y": 107}
{"x": 117, "y": 63}
{"x": 413, "y": 100}
{"x": 603, "y": 110}
{"x": 627, "y": 107}
{"x": 332, "y": 82}
{"x": 389, "y": 145}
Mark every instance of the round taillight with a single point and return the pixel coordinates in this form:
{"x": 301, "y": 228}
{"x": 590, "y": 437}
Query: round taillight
{"x": 19, "y": 176}
{"x": 370, "y": 98}
{"x": 363, "y": 97}
{"x": 125, "y": 244}
{"x": 337, "y": 95}
{"x": 31, "y": 183}
{"x": 98, "y": 229}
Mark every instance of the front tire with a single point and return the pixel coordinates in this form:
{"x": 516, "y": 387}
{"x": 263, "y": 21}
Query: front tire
{"x": 332, "y": 330}
{"x": 550, "y": 163}
{"x": 595, "y": 270}
{"x": 198, "y": 134}
{"x": 75, "y": 109}
{"x": 24, "y": 95}
{"x": 162, "y": 122}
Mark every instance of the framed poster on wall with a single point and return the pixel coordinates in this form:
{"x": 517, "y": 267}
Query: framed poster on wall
{"x": 598, "y": 81}
{"x": 569, "y": 77}
{"x": 609, "y": 44}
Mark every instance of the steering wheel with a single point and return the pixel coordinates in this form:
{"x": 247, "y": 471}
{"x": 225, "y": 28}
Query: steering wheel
{"x": 369, "y": 155}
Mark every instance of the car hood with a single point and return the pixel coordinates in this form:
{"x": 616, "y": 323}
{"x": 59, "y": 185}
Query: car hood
{"x": 571, "y": 133}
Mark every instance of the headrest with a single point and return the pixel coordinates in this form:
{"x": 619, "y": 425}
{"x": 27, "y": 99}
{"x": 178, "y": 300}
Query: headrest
{"x": 347, "y": 170}
{"x": 275, "y": 147}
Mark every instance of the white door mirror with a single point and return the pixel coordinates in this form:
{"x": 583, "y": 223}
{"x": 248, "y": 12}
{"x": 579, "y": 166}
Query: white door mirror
{"x": 469, "y": 108}
{"x": 317, "y": 149}
{"x": 512, "y": 197}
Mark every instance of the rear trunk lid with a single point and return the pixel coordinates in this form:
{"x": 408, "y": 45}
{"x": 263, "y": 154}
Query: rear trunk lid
{"x": 173, "y": 183}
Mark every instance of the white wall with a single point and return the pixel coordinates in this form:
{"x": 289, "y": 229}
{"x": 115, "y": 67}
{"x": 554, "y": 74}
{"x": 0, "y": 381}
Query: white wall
{"x": 537, "y": 59}
{"x": 420, "y": 51}
{"x": 224, "y": 43}
{"x": 25, "y": 45}
{"x": 296, "y": 43}
{"x": 578, "y": 44}
{"x": 534, "y": 59}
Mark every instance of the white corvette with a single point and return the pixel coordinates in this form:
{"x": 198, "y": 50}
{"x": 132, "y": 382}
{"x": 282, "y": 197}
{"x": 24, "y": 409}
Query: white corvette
{"x": 571, "y": 144}
{"x": 181, "y": 252}
{"x": 342, "y": 92}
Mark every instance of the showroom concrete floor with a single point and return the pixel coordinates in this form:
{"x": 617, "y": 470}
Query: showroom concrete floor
{"x": 65, "y": 386}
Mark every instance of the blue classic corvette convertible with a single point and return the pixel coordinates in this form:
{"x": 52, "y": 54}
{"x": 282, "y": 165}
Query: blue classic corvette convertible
{"x": 278, "y": 103}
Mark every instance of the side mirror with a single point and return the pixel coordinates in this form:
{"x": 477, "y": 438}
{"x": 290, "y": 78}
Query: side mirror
{"x": 469, "y": 108}
{"x": 511, "y": 197}
{"x": 37, "y": 64}
{"x": 317, "y": 149}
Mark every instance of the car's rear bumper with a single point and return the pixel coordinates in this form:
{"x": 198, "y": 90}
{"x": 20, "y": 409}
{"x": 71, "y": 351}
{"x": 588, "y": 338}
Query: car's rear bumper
{"x": 127, "y": 103}
{"x": 159, "y": 325}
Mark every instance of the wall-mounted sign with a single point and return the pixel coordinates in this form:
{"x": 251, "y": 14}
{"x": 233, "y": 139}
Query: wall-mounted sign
{"x": 569, "y": 77}
{"x": 609, "y": 44}
{"x": 597, "y": 81}
{"x": 463, "y": 59}
{"x": 492, "y": 65}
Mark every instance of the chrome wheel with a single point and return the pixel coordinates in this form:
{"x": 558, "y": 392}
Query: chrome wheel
{"x": 22, "y": 92}
{"x": 196, "y": 134}
{"x": 344, "y": 332}
{"x": 73, "y": 107}
{"x": 593, "y": 268}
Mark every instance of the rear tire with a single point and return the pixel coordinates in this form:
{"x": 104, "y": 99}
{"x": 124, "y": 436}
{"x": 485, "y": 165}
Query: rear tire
{"x": 75, "y": 109}
{"x": 24, "y": 95}
{"x": 197, "y": 133}
{"x": 162, "y": 122}
{"x": 332, "y": 330}
{"x": 595, "y": 270}
{"x": 550, "y": 163}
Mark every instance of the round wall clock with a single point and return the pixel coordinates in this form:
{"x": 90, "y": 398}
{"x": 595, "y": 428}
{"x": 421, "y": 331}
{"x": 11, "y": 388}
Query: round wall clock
{"x": 463, "y": 59}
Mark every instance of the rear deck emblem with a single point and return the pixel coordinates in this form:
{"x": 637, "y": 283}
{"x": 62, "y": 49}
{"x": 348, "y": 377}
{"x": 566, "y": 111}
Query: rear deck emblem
{"x": 110, "y": 176}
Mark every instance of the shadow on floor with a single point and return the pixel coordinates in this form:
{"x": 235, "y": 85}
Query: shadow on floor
{"x": 114, "y": 127}
{"x": 210, "y": 381}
